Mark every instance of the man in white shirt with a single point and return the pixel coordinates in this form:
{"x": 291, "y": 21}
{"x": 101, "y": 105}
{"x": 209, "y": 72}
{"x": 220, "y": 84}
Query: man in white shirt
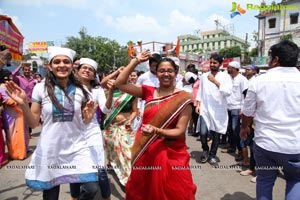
{"x": 235, "y": 103}
{"x": 272, "y": 101}
{"x": 149, "y": 77}
{"x": 251, "y": 72}
{"x": 215, "y": 87}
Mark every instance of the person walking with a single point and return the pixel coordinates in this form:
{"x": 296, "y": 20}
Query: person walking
{"x": 235, "y": 103}
{"x": 215, "y": 87}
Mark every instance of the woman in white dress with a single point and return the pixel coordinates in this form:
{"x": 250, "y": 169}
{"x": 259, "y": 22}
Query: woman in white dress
{"x": 86, "y": 72}
{"x": 62, "y": 154}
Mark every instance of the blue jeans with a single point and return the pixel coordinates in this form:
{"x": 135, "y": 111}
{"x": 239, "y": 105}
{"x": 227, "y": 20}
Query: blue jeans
{"x": 103, "y": 183}
{"x": 267, "y": 165}
{"x": 203, "y": 137}
{"x": 234, "y": 128}
{"x": 89, "y": 191}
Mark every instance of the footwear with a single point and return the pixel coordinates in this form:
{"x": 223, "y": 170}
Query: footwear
{"x": 247, "y": 172}
{"x": 213, "y": 162}
{"x": 239, "y": 157}
{"x": 195, "y": 134}
{"x": 204, "y": 157}
{"x": 240, "y": 163}
{"x": 229, "y": 150}
{"x": 253, "y": 180}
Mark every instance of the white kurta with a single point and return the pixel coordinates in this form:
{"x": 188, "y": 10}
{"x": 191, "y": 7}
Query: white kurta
{"x": 62, "y": 154}
{"x": 92, "y": 132}
{"x": 213, "y": 107}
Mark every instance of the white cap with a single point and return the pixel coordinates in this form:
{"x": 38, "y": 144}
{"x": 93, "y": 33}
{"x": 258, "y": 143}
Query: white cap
{"x": 190, "y": 77}
{"x": 55, "y": 51}
{"x": 235, "y": 64}
{"x": 176, "y": 60}
{"x": 89, "y": 61}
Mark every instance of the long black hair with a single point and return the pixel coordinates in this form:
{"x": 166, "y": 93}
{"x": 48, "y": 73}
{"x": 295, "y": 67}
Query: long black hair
{"x": 51, "y": 82}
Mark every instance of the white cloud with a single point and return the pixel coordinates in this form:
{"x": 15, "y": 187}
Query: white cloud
{"x": 15, "y": 19}
{"x": 210, "y": 24}
{"x": 182, "y": 24}
{"x": 52, "y": 14}
{"x": 40, "y": 3}
{"x": 165, "y": 30}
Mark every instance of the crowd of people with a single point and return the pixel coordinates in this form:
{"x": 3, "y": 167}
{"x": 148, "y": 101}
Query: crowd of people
{"x": 137, "y": 123}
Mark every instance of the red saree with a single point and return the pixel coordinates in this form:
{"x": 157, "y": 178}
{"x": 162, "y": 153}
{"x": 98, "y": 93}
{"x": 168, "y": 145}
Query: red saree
{"x": 160, "y": 166}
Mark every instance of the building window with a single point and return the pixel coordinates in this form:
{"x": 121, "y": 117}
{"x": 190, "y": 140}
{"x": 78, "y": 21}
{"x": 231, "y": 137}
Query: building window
{"x": 272, "y": 23}
{"x": 294, "y": 18}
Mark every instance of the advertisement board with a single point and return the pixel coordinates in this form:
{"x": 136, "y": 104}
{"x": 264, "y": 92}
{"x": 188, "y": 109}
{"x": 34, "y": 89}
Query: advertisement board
{"x": 11, "y": 37}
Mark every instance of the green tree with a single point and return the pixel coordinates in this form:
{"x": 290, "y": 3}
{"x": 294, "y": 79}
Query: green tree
{"x": 222, "y": 52}
{"x": 253, "y": 52}
{"x": 235, "y": 51}
{"x": 34, "y": 66}
{"x": 28, "y": 56}
{"x": 286, "y": 37}
{"x": 104, "y": 51}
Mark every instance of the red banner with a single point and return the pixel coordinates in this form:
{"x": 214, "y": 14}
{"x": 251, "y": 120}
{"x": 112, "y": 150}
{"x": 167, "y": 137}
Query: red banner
{"x": 226, "y": 61}
{"x": 11, "y": 37}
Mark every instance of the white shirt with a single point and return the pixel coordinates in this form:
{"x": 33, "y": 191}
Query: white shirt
{"x": 236, "y": 98}
{"x": 149, "y": 79}
{"x": 213, "y": 107}
{"x": 273, "y": 99}
{"x": 188, "y": 88}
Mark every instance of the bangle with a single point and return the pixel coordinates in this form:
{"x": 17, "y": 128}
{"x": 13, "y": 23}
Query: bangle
{"x": 155, "y": 130}
{"x": 158, "y": 131}
{"x": 138, "y": 60}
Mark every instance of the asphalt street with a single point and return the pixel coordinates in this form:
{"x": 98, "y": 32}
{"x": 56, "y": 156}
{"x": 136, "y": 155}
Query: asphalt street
{"x": 224, "y": 183}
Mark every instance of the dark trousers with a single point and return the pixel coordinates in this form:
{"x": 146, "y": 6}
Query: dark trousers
{"x": 204, "y": 132}
{"x": 103, "y": 183}
{"x": 89, "y": 190}
{"x": 195, "y": 117}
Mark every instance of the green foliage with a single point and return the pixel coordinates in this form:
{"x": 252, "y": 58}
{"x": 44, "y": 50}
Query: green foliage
{"x": 104, "y": 51}
{"x": 34, "y": 66}
{"x": 286, "y": 37}
{"x": 234, "y": 51}
{"x": 222, "y": 52}
{"x": 253, "y": 52}
{"x": 255, "y": 38}
{"x": 28, "y": 56}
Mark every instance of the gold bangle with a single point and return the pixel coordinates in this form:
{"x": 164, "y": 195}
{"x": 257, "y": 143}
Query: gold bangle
{"x": 158, "y": 130}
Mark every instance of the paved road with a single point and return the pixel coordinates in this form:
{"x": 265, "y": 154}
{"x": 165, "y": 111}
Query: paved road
{"x": 213, "y": 184}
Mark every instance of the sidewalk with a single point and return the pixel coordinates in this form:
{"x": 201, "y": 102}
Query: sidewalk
{"x": 224, "y": 183}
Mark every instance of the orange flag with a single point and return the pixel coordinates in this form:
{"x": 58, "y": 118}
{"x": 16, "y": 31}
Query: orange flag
{"x": 177, "y": 50}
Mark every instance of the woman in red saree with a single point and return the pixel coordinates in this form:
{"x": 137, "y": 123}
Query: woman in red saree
{"x": 160, "y": 161}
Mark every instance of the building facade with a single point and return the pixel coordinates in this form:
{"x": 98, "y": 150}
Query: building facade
{"x": 281, "y": 21}
{"x": 206, "y": 43}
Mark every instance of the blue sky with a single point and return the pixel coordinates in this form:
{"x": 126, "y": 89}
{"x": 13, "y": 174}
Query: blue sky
{"x": 124, "y": 20}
